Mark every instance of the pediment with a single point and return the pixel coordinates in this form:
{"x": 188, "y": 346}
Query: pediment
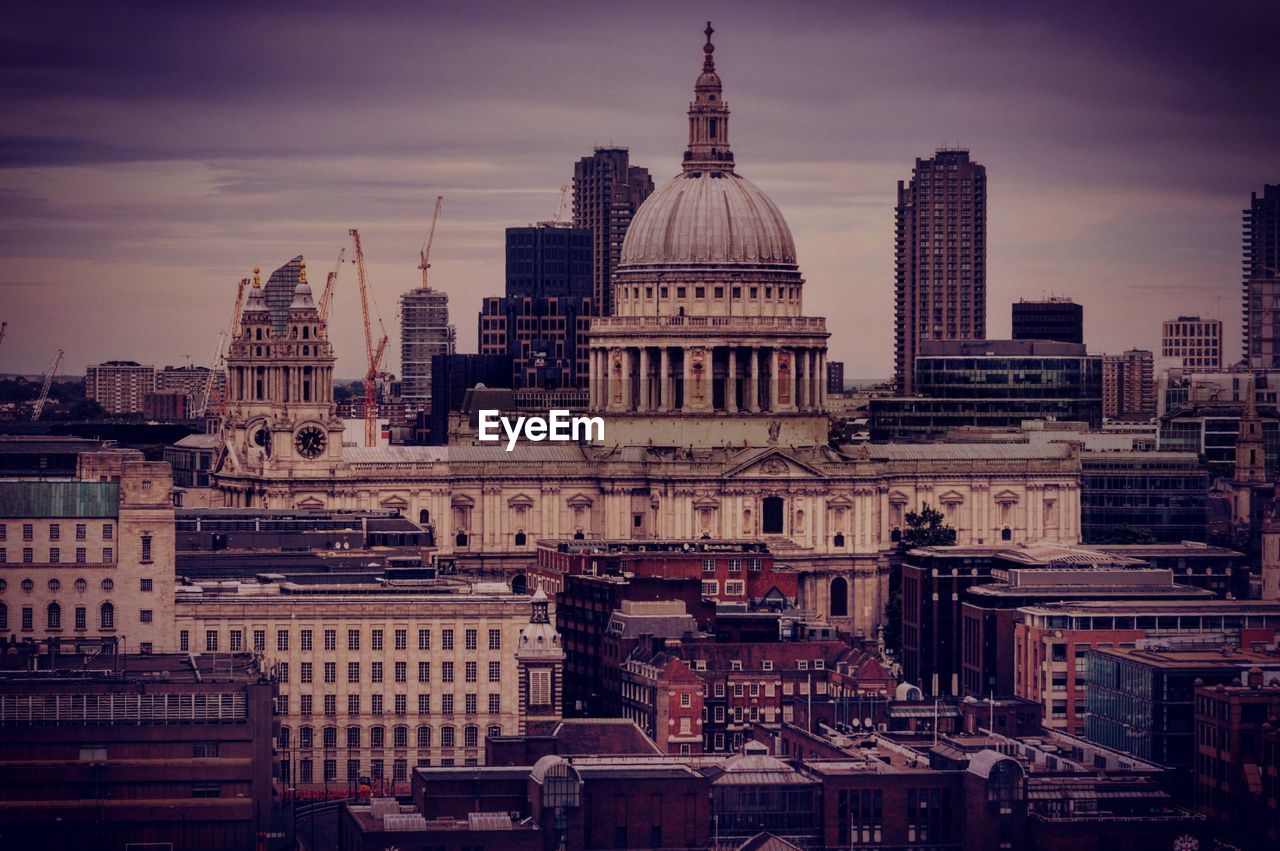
{"x": 898, "y": 498}
{"x": 462, "y": 501}
{"x": 579, "y": 500}
{"x": 310, "y": 502}
{"x": 951, "y": 498}
{"x": 706, "y": 502}
{"x": 1006, "y": 496}
{"x": 773, "y": 464}
{"x": 840, "y": 501}
{"x": 520, "y": 500}
{"x": 394, "y": 502}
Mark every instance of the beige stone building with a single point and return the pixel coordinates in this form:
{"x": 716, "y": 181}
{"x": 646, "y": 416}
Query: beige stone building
{"x": 375, "y": 679}
{"x": 711, "y": 383}
{"x": 90, "y": 556}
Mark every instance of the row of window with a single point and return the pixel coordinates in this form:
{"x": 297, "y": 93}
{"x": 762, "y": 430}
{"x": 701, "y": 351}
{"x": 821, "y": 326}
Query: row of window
{"x": 353, "y": 737}
{"x": 377, "y": 670}
{"x": 55, "y": 531}
{"x": 53, "y": 617}
{"x": 55, "y": 555}
{"x": 81, "y": 585}
{"x": 377, "y": 770}
{"x": 734, "y": 565}
{"x": 399, "y": 704}
{"x": 306, "y": 640}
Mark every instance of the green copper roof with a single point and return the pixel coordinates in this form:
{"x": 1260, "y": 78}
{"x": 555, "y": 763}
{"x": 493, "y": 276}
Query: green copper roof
{"x": 59, "y": 499}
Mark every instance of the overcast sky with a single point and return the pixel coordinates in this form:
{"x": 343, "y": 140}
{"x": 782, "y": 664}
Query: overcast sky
{"x": 152, "y": 154}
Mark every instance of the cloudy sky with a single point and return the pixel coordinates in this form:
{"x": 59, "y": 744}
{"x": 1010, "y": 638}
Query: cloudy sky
{"x": 151, "y": 153}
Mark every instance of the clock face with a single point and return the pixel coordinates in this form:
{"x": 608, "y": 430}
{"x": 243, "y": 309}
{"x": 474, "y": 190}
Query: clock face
{"x": 262, "y": 438}
{"x": 310, "y": 441}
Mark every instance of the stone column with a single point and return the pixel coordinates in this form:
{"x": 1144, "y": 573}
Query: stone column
{"x": 646, "y": 402}
{"x": 822, "y": 383}
{"x": 731, "y": 382}
{"x": 773, "y": 379}
{"x": 804, "y": 370}
{"x": 753, "y": 395}
{"x": 664, "y": 379}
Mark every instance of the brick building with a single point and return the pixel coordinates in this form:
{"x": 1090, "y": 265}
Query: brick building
{"x": 101, "y": 749}
{"x": 119, "y": 386}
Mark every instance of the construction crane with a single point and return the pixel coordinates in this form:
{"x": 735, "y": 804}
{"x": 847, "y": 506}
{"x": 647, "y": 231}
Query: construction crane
{"x": 327, "y": 295}
{"x": 374, "y": 351}
{"x": 44, "y": 390}
{"x": 564, "y": 200}
{"x": 218, "y": 358}
{"x": 425, "y": 253}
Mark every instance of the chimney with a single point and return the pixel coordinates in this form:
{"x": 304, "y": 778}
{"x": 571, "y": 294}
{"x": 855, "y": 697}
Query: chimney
{"x": 1255, "y": 677}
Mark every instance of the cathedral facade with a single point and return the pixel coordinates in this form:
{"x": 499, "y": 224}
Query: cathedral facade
{"x": 711, "y": 383}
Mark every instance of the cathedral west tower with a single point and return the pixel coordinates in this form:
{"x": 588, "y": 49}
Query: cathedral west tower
{"x": 708, "y": 343}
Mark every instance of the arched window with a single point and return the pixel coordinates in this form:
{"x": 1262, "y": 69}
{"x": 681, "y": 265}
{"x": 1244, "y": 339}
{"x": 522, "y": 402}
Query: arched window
{"x": 330, "y": 737}
{"x": 107, "y": 616}
{"x": 839, "y": 539}
{"x": 1006, "y": 534}
{"x": 353, "y": 737}
{"x": 470, "y": 736}
{"x": 771, "y": 515}
{"x": 377, "y": 737}
{"x": 424, "y": 516}
{"x": 401, "y": 737}
{"x": 446, "y": 737}
{"x": 424, "y": 737}
{"x": 519, "y": 584}
{"x": 839, "y": 597}
{"x": 53, "y": 616}
{"x": 520, "y": 539}
{"x": 304, "y": 738}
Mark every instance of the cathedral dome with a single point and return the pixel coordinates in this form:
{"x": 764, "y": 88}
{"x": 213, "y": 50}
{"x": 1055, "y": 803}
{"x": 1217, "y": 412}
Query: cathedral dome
{"x": 708, "y": 217}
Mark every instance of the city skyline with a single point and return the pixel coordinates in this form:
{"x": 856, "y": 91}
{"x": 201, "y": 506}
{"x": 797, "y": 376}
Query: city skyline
{"x": 283, "y": 144}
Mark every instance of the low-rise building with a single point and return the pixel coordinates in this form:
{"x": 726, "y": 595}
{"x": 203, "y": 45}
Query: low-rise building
{"x": 103, "y": 749}
{"x": 92, "y": 555}
{"x": 378, "y": 677}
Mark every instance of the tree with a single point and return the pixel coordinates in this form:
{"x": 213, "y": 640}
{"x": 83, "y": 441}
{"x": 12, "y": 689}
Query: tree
{"x": 1121, "y": 535}
{"x": 926, "y": 528}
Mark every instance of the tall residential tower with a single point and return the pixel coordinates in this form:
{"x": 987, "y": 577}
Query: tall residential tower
{"x": 941, "y": 253}
{"x": 607, "y": 191}
{"x": 1261, "y": 287}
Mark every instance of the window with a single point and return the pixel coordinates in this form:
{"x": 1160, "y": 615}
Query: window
{"x": 471, "y": 639}
{"x": 495, "y": 672}
{"x": 446, "y": 704}
{"x": 304, "y": 639}
{"x": 353, "y": 672}
{"x": 259, "y": 641}
{"x": 446, "y": 639}
{"x": 424, "y": 672}
{"x": 471, "y": 705}
{"x": 375, "y": 707}
{"x": 446, "y": 737}
{"x": 353, "y": 704}
{"x": 81, "y": 585}
{"x": 424, "y": 704}
{"x": 402, "y": 639}
{"x": 81, "y": 532}
{"x": 708, "y": 565}
{"x": 146, "y": 549}
{"x": 353, "y": 737}
{"x": 353, "y": 639}
{"x": 424, "y": 737}
{"x": 28, "y": 555}
{"x": 53, "y": 616}
{"x": 330, "y": 737}
{"x": 107, "y": 616}
{"x": 470, "y": 736}
{"x": 446, "y": 672}
{"x": 305, "y": 672}
{"x": 106, "y": 531}
{"x": 376, "y": 672}
{"x": 495, "y": 641}
{"x": 282, "y": 671}
{"x": 470, "y": 672}
{"x": 82, "y": 618}
{"x": 184, "y": 641}
{"x": 400, "y": 736}
{"x": 82, "y": 555}
{"x": 108, "y": 585}
{"x": 28, "y": 532}
{"x": 377, "y": 639}
{"x": 144, "y": 615}
{"x": 377, "y": 737}
{"x": 540, "y": 687}
{"x": 495, "y": 704}
{"x": 330, "y": 672}
{"x": 772, "y": 512}
{"x": 55, "y": 585}
{"x": 710, "y": 587}
{"x": 424, "y": 639}
{"x": 144, "y": 585}
{"x": 735, "y": 587}
{"x": 28, "y": 619}
{"x": 55, "y": 555}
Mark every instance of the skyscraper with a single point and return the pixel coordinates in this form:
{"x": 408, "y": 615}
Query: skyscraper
{"x": 940, "y": 257}
{"x": 542, "y": 321}
{"x": 1056, "y": 318}
{"x": 425, "y": 332}
{"x": 1261, "y": 289}
{"x": 607, "y": 191}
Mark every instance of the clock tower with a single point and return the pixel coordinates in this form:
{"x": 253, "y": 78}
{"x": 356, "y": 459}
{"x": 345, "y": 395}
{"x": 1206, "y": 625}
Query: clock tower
{"x": 281, "y": 421}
